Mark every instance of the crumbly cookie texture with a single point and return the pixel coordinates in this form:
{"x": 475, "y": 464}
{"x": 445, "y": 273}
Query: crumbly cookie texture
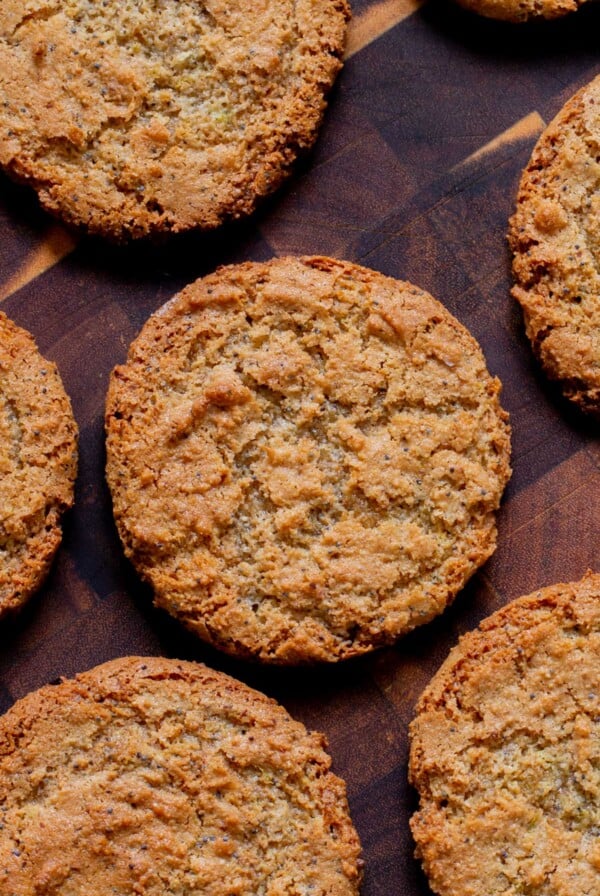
{"x": 38, "y": 461}
{"x": 505, "y": 752}
{"x": 154, "y": 776}
{"x": 555, "y": 237}
{"x": 305, "y": 458}
{"x": 522, "y": 10}
{"x": 133, "y": 117}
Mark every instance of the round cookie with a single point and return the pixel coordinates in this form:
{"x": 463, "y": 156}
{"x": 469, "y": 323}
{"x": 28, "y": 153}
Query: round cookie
{"x": 505, "y": 752}
{"x": 521, "y": 10}
{"x": 133, "y": 118}
{"x": 305, "y": 458}
{"x": 38, "y": 462}
{"x": 154, "y": 776}
{"x": 555, "y": 237}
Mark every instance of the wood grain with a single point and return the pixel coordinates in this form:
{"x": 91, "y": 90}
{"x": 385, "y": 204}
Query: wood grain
{"x": 415, "y": 173}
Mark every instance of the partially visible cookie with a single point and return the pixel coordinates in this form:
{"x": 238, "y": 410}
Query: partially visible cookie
{"x": 305, "y": 458}
{"x": 154, "y": 776}
{"x": 132, "y": 117}
{"x": 555, "y": 238}
{"x": 38, "y": 461}
{"x": 505, "y": 752}
{"x": 522, "y": 10}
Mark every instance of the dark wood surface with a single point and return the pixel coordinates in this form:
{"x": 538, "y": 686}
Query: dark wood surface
{"x": 414, "y": 174}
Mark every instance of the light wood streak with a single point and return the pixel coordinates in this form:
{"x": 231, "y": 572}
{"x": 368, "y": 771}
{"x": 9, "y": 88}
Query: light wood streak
{"x": 57, "y": 243}
{"x": 376, "y": 20}
{"x": 530, "y": 126}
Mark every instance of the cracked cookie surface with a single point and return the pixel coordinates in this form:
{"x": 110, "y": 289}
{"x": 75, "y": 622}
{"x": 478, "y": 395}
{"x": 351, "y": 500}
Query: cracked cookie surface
{"x": 305, "y": 458}
{"x": 38, "y": 459}
{"x": 132, "y": 118}
{"x": 505, "y": 752}
{"x": 156, "y": 776}
{"x": 555, "y": 237}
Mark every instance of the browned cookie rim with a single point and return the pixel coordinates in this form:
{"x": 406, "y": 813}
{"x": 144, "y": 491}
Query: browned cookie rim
{"x": 40, "y": 464}
{"x": 517, "y": 11}
{"x": 167, "y": 123}
{"x": 400, "y": 314}
{"x": 140, "y": 764}
{"x": 512, "y": 703}
{"x": 555, "y": 267}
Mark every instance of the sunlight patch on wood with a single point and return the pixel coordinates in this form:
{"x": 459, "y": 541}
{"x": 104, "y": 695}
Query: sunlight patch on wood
{"x": 57, "y": 243}
{"x": 530, "y": 126}
{"x": 376, "y": 20}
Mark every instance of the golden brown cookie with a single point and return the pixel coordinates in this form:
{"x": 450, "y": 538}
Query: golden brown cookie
{"x": 305, "y": 458}
{"x": 155, "y": 776}
{"x": 522, "y": 10}
{"x": 38, "y": 461}
{"x": 555, "y": 237}
{"x": 505, "y": 752}
{"x": 132, "y": 118}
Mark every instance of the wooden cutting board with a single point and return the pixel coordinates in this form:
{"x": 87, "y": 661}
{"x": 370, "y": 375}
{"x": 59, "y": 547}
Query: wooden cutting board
{"x": 415, "y": 173}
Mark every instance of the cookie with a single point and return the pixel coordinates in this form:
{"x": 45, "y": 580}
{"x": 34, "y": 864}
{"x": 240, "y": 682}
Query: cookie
{"x": 505, "y": 752}
{"x": 555, "y": 238}
{"x": 38, "y": 461}
{"x": 154, "y": 776}
{"x": 135, "y": 118}
{"x": 522, "y": 10}
{"x": 305, "y": 458}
